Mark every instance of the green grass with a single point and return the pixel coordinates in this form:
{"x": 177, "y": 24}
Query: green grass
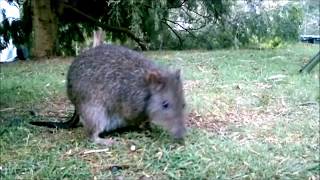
{"x": 256, "y": 118}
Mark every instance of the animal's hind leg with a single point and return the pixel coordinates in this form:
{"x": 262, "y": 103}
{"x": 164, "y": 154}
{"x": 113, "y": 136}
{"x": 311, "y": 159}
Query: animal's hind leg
{"x": 95, "y": 121}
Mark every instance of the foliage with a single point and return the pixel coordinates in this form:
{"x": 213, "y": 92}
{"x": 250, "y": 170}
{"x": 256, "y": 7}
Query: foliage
{"x": 127, "y": 21}
{"x": 260, "y": 29}
{"x": 271, "y": 27}
{"x": 176, "y": 24}
{"x": 311, "y": 16}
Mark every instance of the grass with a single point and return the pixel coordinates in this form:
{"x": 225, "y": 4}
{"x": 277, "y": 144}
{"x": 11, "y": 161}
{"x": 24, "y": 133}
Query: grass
{"x": 252, "y": 116}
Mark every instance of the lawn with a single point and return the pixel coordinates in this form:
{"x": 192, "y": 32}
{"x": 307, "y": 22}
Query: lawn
{"x": 251, "y": 115}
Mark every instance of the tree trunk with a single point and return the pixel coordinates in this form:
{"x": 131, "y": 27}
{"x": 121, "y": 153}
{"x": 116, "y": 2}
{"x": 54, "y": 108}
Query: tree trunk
{"x": 45, "y": 28}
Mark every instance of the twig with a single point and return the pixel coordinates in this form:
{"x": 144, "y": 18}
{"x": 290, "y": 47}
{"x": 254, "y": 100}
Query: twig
{"x": 187, "y": 30}
{"x": 95, "y": 151}
{"x": 203, "y": 16}
{"x": 7, "y": 109}
{"x": 181, "y": 27}
{"x": 180, "y": 40}
{"x": 308, "y": 103}
{"x": 179, "y": 5}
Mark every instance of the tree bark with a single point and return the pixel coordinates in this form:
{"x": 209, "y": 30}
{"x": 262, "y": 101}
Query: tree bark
{"x": 45, "y": 27}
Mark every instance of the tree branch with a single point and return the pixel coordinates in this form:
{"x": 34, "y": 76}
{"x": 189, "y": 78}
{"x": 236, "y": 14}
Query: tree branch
{"x": 181, "y": 27}
{"x": 184, "y": 1}
{"x": 185, "y": 9}
{"x": 187, "y": 30}
{"x": 178, "y": 5}
{"x": 180, "y": 40}
{"x": 109, "y": 28}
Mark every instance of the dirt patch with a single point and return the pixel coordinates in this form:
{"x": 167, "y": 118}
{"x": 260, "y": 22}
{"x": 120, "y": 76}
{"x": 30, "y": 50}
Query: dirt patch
{"x": 59, "y": 108}
{"x": 209, "y": 122}
{"x": 189, "y": 85}
{"x": 221, "y": 121}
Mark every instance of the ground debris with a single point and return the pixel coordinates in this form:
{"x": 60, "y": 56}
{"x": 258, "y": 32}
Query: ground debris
{"x": 95, "y": 151}
{"x": 209, "y": 121}
{"x": 189, "y": 85}
{"x": 7, "y": 109}
{"x": 278, "y": 77}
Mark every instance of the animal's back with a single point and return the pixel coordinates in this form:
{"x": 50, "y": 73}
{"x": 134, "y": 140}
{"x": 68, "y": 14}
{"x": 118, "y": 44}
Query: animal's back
{"x": 112, "y": 76}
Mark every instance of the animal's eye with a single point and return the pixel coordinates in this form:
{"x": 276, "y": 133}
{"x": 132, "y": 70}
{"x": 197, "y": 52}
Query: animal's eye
{"x": 165, "y": 104}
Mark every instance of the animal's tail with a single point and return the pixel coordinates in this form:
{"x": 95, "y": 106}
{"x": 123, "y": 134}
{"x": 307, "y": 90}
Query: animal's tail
{"x": 71, "y": 123}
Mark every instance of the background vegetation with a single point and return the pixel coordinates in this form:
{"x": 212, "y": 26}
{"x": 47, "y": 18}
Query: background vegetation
{"x": 66, "y": 27}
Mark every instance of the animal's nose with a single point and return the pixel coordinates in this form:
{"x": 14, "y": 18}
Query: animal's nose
{"x": 179, "y": 133}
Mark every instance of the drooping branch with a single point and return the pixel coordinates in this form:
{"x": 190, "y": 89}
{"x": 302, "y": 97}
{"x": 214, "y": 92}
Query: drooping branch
{"x": 109, "y": 28}
{"x": 185, "y": 9}
{"x": 180, "y": 40}
{"x": 178, "y": 5}
{"x": 182, "y": 3}
{"x": 185, "y": 29}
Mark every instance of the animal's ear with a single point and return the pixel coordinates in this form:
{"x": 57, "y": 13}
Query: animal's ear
{"x": 154, "y": 79}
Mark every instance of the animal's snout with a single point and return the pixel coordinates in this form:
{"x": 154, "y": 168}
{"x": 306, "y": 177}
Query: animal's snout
{"x": 179, "y": 133}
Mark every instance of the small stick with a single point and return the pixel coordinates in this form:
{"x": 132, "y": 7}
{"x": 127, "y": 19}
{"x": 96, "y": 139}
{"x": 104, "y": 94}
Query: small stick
{"x": 95, "y": 151}
{"x": 7, "y": 109}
